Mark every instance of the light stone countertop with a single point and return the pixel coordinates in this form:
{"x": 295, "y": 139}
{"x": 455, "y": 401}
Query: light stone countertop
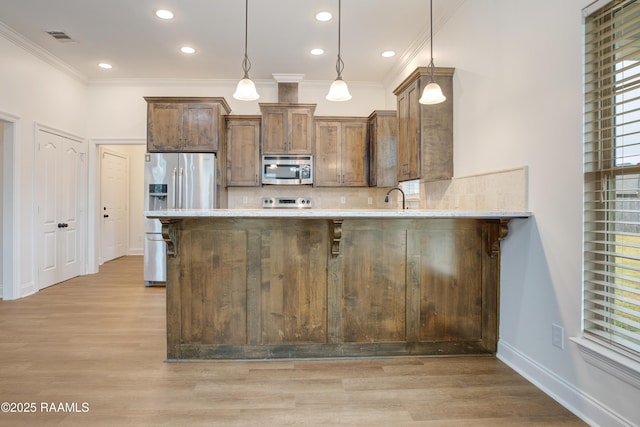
{"x": 331, "y": 213}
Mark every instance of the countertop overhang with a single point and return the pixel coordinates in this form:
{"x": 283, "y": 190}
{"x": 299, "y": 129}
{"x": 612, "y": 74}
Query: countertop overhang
{"x": 332, "y": 214}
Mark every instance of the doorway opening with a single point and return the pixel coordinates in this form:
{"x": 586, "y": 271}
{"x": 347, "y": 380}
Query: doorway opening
{"x": 117, "y": 204}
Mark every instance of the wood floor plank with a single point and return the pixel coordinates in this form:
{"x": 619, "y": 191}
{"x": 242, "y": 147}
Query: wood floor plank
{"x": 101, "y": 339}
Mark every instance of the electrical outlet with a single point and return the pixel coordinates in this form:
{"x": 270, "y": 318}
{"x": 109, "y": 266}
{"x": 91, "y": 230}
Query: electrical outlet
{"x": 343, "y": 200}
{"x": 557, "y": 336}
{"x": 370, "y": 200}
{"x": 245, "y": 200}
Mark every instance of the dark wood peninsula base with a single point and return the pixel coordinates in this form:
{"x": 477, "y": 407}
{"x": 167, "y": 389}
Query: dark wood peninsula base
{"x": 262, "y": 288}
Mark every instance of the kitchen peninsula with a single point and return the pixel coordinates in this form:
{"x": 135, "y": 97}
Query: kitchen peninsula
{"x": 262, "y": 284}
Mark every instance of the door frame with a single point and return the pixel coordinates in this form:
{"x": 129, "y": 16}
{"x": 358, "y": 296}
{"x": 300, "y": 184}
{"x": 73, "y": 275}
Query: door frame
{"x": 11, "y": 285}
{"x": 94, "y": 197}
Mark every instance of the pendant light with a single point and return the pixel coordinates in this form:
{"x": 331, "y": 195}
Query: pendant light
{"x": 432, "y": 93}
{"x": 339, "y": 90}
{"x": 246, "y": 90}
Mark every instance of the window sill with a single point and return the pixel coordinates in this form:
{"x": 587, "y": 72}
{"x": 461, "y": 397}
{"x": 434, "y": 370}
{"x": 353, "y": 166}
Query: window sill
{"x": 609, "y": 360}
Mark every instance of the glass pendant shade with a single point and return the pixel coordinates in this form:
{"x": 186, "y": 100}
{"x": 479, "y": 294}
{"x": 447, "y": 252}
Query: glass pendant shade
{"x": 246, "y": 90}
{"x": 432, "y": 94}
{"x": 338, "y": 91}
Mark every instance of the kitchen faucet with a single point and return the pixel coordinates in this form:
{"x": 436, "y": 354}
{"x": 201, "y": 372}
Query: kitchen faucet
{"x": 386, "y": 198}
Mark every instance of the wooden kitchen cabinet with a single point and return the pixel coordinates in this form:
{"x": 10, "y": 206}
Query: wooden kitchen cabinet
{"x": 341, "y": 158}
{"x": 287, "y": 128}
{"x": 243, "y": 151}
{"x": 179, "y": 124}
{"x": 425, "y": 132}
{"x": 382, "y": 136}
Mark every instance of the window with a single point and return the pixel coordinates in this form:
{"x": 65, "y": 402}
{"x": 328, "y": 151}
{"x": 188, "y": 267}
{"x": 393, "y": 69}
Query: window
{"x": 612, "y": 178}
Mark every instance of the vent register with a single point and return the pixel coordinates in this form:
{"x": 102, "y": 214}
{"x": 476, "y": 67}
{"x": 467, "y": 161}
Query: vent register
{"x": 60, "y": 36}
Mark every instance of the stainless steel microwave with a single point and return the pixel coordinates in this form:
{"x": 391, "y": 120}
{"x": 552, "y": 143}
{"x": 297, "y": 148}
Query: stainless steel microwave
{"x": 287, "y": 169}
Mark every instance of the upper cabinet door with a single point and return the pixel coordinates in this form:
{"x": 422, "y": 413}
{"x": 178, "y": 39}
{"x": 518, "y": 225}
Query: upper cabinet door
{"x": 243, "y": 151}
{"x": 274, "y": 128}
{"x": 408, "y": 137}
{"x": 201, "y": 124}
{"x": 164, "y": 126}
{"x": 300, "y": 121}
{"x": 382, "y": 137}
{"x": 355, "y": 153}
{"x": 328, "y": 172}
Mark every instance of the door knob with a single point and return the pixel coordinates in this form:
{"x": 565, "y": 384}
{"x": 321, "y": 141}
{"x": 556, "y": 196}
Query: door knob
{"x": 60, "y": 225}
{"x": 105, "y": 216}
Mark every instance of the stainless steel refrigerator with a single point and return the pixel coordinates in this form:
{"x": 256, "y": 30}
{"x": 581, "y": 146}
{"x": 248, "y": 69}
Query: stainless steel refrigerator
{"x": 173, "y": 181}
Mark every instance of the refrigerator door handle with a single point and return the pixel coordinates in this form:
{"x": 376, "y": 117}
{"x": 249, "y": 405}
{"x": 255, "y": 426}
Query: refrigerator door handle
{"x": 180, "y": 184}
{"x": 175, "y": 192}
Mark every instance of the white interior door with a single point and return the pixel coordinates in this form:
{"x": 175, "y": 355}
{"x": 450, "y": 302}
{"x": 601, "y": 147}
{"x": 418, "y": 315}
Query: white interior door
{"x": 59, "y": 199}
{"x": 113, "y": 208}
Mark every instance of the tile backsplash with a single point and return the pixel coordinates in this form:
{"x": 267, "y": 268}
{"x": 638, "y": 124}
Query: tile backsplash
{"x": 495, "y": 191}
{"x": 321, "y": 197}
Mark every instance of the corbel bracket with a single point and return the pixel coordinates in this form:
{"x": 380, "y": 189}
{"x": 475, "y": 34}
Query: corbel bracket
{"x": 336, "y": 237}
{"x": 495, "y": 235}
{"x": 169, "y": 236}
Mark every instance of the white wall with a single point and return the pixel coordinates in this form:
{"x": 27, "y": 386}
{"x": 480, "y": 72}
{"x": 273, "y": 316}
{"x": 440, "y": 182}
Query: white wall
{"x": 517, "y": 97}
{"x": 117, "y": 109}
{"x": 35, "y": 92}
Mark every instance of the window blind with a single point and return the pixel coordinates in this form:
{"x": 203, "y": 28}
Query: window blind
{"x": 611, "y": 297}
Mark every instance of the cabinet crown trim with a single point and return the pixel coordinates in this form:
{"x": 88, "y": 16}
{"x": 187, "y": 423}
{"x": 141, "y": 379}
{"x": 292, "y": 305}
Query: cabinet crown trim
{"x": 424, "y": 72}
{"x": 286, "y": 105}
{"x": 190, "y": 99}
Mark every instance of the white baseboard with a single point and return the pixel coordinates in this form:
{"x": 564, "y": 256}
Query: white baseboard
{"x": 135, "y": 251}
{"x": 583, "y": 406}
{"x": 27, "y": 289}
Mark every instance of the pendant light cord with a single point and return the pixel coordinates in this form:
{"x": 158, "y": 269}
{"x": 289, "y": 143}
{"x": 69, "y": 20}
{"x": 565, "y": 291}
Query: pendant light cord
{"x": 431, "y": 65}
{"x": 246, "y": 64}
{"x": 339, "y": 63}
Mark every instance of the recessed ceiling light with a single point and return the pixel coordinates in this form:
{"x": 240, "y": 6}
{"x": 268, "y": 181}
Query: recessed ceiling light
{"x": 187, "y": 49}
{"x": 324, "y": 16}
{"x": 317, "y": 51}
{"x": 105, "y": 65}
{"x": 164, "y": 14}
{"x": 388, "y": 54}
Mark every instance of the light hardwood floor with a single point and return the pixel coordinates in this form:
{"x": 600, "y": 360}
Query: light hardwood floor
{"x": 100, "y": 340}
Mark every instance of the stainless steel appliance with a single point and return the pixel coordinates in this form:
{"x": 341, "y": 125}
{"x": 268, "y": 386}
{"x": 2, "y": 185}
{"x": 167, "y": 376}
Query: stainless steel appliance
{"x": 173, "y": 181}
{"x": 287, "y": 170}
{"x": 286, "y": 202}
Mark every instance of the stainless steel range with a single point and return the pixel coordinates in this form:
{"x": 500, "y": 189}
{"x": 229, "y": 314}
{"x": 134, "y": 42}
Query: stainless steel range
{"x": 286, "y": 202}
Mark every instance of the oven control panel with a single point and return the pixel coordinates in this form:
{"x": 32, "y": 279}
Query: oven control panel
{"x": 287, "y": 202}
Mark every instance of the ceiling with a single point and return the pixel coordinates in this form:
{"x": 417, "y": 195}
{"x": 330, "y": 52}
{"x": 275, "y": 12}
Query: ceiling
{"x": 127, "y": 34}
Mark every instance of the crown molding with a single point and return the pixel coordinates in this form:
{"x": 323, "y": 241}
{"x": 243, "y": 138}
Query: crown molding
{"x": 421, "y": 43}
{"x": 28, "y": 46}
